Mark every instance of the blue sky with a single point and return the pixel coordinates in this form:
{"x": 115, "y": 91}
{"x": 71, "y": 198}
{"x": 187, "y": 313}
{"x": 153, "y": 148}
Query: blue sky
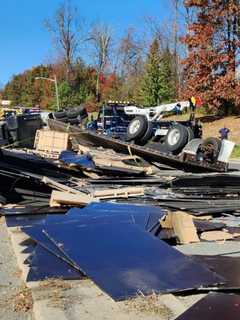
{"x": 24, "y": 42}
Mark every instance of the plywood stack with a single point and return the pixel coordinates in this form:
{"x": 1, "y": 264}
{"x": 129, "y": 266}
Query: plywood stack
{"x": 52, "y": 143}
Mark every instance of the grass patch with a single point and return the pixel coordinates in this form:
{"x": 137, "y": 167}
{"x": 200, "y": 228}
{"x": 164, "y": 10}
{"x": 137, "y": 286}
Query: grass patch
{"x": 236, "y": 152}
{"x": 149, "y": 304}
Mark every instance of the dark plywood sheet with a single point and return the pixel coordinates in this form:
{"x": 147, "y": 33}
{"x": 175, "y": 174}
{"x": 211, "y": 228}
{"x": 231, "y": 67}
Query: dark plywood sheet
{"x": 145, "y": 216}
{"x": 31, "y": 210}
{"x": 25, "y": 220}
{"x": 203, "y": 226}
{"x": 36, "y": 233}
{"x": 215, "y": 306}
{"x": 45, "y": 265}
{"x": 227, "y": 267}
{"x": 123, "y": 259}
{"x": 96, "y": 213}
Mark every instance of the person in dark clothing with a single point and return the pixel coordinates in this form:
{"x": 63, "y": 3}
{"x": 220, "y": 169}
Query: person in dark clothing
{"x": 177, "y": 109}
{"x": 224, "y": 132}
{"x": 192, "y": 104}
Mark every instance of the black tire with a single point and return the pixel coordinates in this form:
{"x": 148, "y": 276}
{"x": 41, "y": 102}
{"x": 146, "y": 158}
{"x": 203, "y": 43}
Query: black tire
{"x": 176, "y": 138}
{"x": 82, "y": 111}
{"x": 147, "y": 135}
{"x": 136, "y": 128}
{"x": 72, "y": 114}
{"x": 60, "y": 114}
{"x": 73, "y": 121}
{"x": 190, "y": 134}
{"x": 50, "y": 116}
{"x": 213, "y": 143}
{"x": 65, "y": 119}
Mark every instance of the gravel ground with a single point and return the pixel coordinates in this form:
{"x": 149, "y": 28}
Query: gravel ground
{"x": 15, "y": 300}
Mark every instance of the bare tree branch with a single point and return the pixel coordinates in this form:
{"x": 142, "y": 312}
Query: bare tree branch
{"x": 64, "y": 29}
{"x": 101, "y": 39}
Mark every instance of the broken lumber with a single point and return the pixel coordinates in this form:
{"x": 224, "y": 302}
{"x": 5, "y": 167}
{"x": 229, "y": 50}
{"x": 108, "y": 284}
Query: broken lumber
{"x": 59, "y": 198}
{"x": 183, "y": 226}
{"x": 218, "y": 235}
{"x": 59, "y": 186}
{"x": 119, "y": 193}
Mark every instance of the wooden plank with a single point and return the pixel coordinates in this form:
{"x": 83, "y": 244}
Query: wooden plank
{"x": 218, "y": 235}
{"x": 59, "y": 198}
{"x": 59, "y": 186}
{"x": 119, "y": 193}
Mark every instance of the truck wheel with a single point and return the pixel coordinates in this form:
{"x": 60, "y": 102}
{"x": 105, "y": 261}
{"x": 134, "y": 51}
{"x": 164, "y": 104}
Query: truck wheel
{"x": 211, "y": 148}
{"x": 147, "y": 135}
{"x": 176, "y": 138}
{"x": 136, "y": 128}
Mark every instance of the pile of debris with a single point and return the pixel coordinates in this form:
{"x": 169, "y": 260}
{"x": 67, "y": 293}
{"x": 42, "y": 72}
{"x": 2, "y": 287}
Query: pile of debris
{"x": 121, "y": 221}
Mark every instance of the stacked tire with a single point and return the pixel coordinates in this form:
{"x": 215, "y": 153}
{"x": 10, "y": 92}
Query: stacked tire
{"x": 60, "y": 116}
{"x": 72, "y": 115}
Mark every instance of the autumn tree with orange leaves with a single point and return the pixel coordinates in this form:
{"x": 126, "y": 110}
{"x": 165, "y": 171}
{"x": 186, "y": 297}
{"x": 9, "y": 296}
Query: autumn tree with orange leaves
{"x": 211, "y": 66}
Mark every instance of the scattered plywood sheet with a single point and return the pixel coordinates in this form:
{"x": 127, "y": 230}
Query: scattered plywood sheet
{"x": 51, "y": 141}
{"x": 214, "y": 306}
{"x": 123, "y": 259}
{"x": 218, "y": 235}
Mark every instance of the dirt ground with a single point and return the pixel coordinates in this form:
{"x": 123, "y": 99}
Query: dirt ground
{"x": 15, "y": 297}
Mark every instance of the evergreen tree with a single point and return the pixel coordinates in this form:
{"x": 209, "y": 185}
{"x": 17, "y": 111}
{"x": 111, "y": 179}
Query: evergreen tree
{"x": 157, "y": 86}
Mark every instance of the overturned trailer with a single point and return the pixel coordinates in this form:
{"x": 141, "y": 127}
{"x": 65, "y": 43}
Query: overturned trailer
{"x": 197, "y": 156}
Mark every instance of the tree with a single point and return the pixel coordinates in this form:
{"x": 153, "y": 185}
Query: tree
{"x": 24, "y": 90}
{"x": 157, "y": 86}
{"x": 100, "y": 38}
{"x": 65, "y": 29}
{"x": 213, "y": 48}
{"x": 130, "y": 52}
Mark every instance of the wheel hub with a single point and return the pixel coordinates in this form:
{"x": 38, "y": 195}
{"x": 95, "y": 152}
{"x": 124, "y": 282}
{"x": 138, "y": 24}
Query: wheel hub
{"x": 173, "y": 137}
{"x": 134, "y": 127}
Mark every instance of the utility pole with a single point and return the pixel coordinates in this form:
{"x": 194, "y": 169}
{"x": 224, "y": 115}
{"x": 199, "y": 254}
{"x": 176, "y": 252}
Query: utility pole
{"x": 56, "y": 88}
